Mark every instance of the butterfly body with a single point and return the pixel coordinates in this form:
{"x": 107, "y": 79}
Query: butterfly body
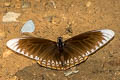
{"x": 61, "y": 55}
{"x": 60, "y": 44}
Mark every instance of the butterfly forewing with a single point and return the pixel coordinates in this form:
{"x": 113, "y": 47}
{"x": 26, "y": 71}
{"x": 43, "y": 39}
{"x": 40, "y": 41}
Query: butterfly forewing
{"x": 75, "y": 50}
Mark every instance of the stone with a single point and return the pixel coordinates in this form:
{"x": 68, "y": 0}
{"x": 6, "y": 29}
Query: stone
{"x": 11, "y": 17}
{"x": 26, "y": 5}
{"x": 28, "y": 27}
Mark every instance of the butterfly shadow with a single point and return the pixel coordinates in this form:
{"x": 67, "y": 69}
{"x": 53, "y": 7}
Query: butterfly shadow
{"x": 35, "y": 72}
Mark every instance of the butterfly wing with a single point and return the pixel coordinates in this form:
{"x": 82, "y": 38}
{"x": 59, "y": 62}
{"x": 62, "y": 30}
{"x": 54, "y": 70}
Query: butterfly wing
{"x": 78, "y": 48}
{"x": 44, "y": 51}
{"x": 75, "y": 51}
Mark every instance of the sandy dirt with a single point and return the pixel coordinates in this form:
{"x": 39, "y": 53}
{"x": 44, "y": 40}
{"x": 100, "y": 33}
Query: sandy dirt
{"x": 65, "y": 18}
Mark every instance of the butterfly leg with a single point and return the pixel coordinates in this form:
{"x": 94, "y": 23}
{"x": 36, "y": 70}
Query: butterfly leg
{"x": 71, "y": 71}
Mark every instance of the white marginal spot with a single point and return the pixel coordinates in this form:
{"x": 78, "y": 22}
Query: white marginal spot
{"x": 67, "y": 61}
{"x": 108, "y": 31}
{"x": 71, "y": 60}
{"x": 87, "y": 53}
{"x": 106, "y": 38}
{"x": 53, "y": 62}
{"x": 96, "y": 47}
{"x": 100, "y": 44}
{"x": 104, "y": 41}
{"x": 12, "y": 46}
{"x": 60, "y": 62}
{"x": 44, "y": 61}
{"x": 26, "y": 54}
{"x": 37, "y": 58}
{"x": 11, "y": 43}
{"x": 48, "y": 63}
{"x": 18, "y": 50}
{"x": 31, "y": 56}
{"x": 22, "y": 52}
{"x": 107, "y": 35}
{"x": 40, "y": 59}
{"x": 57, "y": 63}
{"x": 80, "y": 58}
{"x": 76, "y": 60}
{"x": 92, "y": 50}
{"x": 15, "y": 48}
{"x": 83, "y": 55}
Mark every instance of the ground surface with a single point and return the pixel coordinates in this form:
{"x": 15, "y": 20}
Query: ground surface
{"x": 65, "y": 18}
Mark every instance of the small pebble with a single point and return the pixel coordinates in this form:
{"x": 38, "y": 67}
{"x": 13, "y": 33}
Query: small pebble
{"x": 18, "y": 5}
{"x": 7, "y": 4}
{"x": 11, "y": 17}
{"x": 26, "y": 5}
{"x": 2, "y": 34}
{"x": 13, "y": 78}
{"x": 88, "y": 4}
{"x": 28, "y": 27}
{"x": 49, "y": 18}
{"x": 6, "y": 53}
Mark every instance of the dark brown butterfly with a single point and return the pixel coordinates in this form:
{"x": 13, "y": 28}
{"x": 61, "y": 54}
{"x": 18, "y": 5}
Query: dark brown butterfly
{"x": 61, "y": 55}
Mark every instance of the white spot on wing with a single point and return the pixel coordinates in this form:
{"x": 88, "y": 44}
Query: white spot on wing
{"x": 104, "y": 41}
{"x": 15, "y": 48}
{"x": 100, "y": 44}
{"x": 76, "y": 60}
{"x": 44, "y": 61}
{"x": 67, "y": 61}
{"x": 71, "y": 60}
{"x": 83, "y": 55}
{"x": 56, "y": 63}
{"x": 26, "y": 54}
{"x": 87, "y": 53}
{"x": 60, "y": 62}
{"x": 96, "y": 47}
{"x": 31, "y": 56}
{"x": 92, "y": 50}
{"x": 18, "y": 50}
{"x": 108, "y": 31}
{"x": 11, "y": 42}
{"x": 106, "y": 38}
{"x": 48, "y": 63}
{"x": 22, "y": 52}
{"x": 53, "y": 62}
{"x": 37, "y": 58}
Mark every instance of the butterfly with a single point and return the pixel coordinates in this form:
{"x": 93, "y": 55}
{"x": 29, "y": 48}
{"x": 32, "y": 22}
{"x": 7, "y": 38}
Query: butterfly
{"x": 61, "y": 55}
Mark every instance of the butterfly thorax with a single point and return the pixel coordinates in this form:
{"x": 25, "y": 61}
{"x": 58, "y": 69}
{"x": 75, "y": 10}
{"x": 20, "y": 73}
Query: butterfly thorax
{"x": 60, "y": 44}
